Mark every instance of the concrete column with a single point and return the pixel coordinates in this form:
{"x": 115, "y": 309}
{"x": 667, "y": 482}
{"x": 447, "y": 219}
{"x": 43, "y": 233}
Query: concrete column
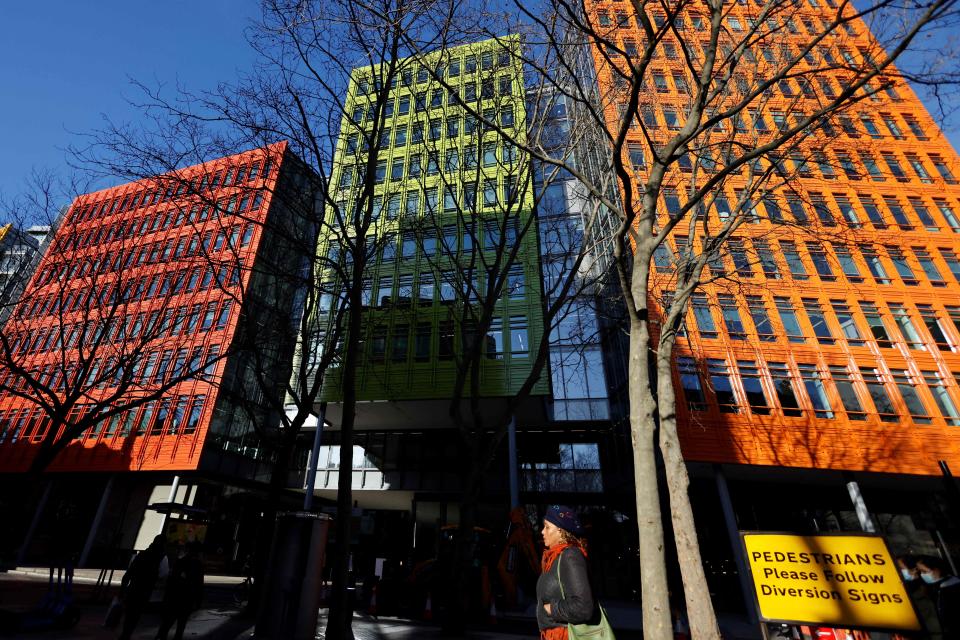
{"x": 34, "y": 522}
{"x": 859, "y": 506}
{"x": 512, "y": 461}
{"x": 314, "y": 460}
{"x": 733, "y": 533}
{"x": 95, "y": 525}
{"x": 171, "y": 498}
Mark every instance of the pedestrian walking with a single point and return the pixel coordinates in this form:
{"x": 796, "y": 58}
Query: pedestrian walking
{"x": 945, "y": 592}
{"x": 563, "y": 589}
{"x": 138, "y": 583}
{"x": 184, "y": 591}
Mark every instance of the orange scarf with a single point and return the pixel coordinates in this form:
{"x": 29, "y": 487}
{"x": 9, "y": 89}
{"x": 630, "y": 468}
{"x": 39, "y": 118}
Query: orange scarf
{"x": 550, "y": 556}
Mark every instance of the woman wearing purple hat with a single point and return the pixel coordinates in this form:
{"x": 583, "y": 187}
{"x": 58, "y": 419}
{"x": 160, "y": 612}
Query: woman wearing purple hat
{"x": 563, "y": 590}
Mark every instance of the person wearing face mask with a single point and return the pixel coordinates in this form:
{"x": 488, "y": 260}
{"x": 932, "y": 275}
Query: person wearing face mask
{"x": 917, "y": 591}
{"x": 945, "y": 592}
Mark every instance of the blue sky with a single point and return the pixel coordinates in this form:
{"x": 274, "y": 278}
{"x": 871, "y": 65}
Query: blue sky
{"x": 65, "y": 64}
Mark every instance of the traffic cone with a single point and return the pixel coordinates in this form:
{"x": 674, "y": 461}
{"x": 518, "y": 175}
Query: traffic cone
{"x": 428, "y": 609}
{"x": 372, "y": 609}
{"x": 493, "y": 611}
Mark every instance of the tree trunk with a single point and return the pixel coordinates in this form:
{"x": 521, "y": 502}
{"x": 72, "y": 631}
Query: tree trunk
{"x": 700, "y": 614}
{"x": 653, "y": 571}
{"x": 340, "y": 616}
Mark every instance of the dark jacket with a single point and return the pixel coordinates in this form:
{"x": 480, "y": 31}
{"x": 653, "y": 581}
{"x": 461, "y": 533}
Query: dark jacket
{"x": 576, "y": 604}
{"x": 948, "y": 606}
{"x": 141, "y": 576}
{"x": 185, "y": 584}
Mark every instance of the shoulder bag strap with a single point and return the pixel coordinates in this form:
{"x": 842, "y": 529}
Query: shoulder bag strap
{"x": 559, "y": 557}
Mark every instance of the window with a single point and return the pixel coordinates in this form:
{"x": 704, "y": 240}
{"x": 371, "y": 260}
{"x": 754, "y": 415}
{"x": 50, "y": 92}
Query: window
{"x": 767, "y": 262}
{"x": 494, "y": 339}
{"x": 783, "y": 387}
{"x": 519, "y": 346}
{"x": 385, "y": 291}
{"x": 670, "y": 117}
{"x": 926, "y": 219}
{"x": 896, "y": 170}
{"x": 907, "y": 388}
{"x": 929, "y": 318}
{"x": 848, "y": 326}
{"x": 400, "y": 343}
{"x": 914, "y": 126}
{"x": 703, "y": 317}
{"x": 403, "y": 105}
{"x": 878, "y": 393}
{"x": 875, "y": 321}
{"x": 797, "y": 210}
{"x": 731, "y": 317}
{"x": 636, "y": 157}
{"x": 892, "y": 126}
{"x": 792, "y": 258}
{"x": 691, "y": 385}
{"x": 870, "y": 164}
{"x": 761, "y": 321}
{"x": 847, "y": 392}
{"x": 722, "y": 386}
{"x": 421, "y": 342}
{"x": 953, "y": 263}
{"x": 788, "y": 318}
{"x": 869, "y": 126}
{"x": 813, "y": 383}
{"x": 900, "y": 263}
{"x": 929, "y": 267}
{"x": 818, "y": 320}
{"x": 941, "y": 395}
{"x": 660, "y": 82}
{"x": 947, "y": 211}
{"x": 820, "y": 262}
{"x": 902, "y": 317}
{"x": 874, "y": 264}
{"x": 943, "y": 169}
{"x": 917, "y": 165}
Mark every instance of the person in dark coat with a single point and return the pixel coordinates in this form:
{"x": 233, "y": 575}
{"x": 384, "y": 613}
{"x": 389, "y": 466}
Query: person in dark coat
{"x": 138, "y": 583}
{"x": 945, "y": 592}
{"x": 564, "y": 560}
{"x": 184, "y": 591}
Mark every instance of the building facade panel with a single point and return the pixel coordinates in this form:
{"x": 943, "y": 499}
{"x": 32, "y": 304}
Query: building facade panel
{"x": 151, "y": 274}
{"x": 827, "y": 334}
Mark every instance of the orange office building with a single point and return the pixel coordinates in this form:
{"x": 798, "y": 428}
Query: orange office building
{"x": 163, "y": 275}
{"x": 825, "y": 348}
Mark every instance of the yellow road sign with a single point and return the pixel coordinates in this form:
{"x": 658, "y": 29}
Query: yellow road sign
{"x": 831, "y": 580}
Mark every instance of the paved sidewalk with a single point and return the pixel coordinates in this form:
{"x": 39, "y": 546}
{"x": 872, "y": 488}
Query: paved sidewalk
{"x": 221, "y": 619}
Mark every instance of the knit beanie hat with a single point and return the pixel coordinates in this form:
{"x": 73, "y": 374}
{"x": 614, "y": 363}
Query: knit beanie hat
{"x": 565, "y": 518}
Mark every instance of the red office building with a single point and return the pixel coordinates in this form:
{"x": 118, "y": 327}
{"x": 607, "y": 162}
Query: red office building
{"x": 142, "y": 310}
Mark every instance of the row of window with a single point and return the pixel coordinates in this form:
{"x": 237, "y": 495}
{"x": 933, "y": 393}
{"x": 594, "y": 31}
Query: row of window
{"x": 431, "y": 286}
{"x": 174, "y": 416}
{"x": 227, "y": 177}
{"x": 502, "y": 191}
{"x": 882, "y": 213}
{"x": 506, "y": 337}
{"x": 813, "y": 321}
{"x": 148, "y": 287}
{"x": 431, "y": 130}
{"x": 415, "y": 164}
{"x": 828, "y": 263}
{"x": 698, "y": 23}
{"x": 185, "y": 320}
{"x": 137, "y": 228}
{"x": 451, "y": 65}
{"x": 422, "y": 101}
{"x": 831, "y": 165}
{"x": 793, "y": 391}
{"x": 209, "y": 245}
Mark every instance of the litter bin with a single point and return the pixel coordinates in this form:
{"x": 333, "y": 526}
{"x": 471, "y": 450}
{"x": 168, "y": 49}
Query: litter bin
{"x": 290, "y": 601}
